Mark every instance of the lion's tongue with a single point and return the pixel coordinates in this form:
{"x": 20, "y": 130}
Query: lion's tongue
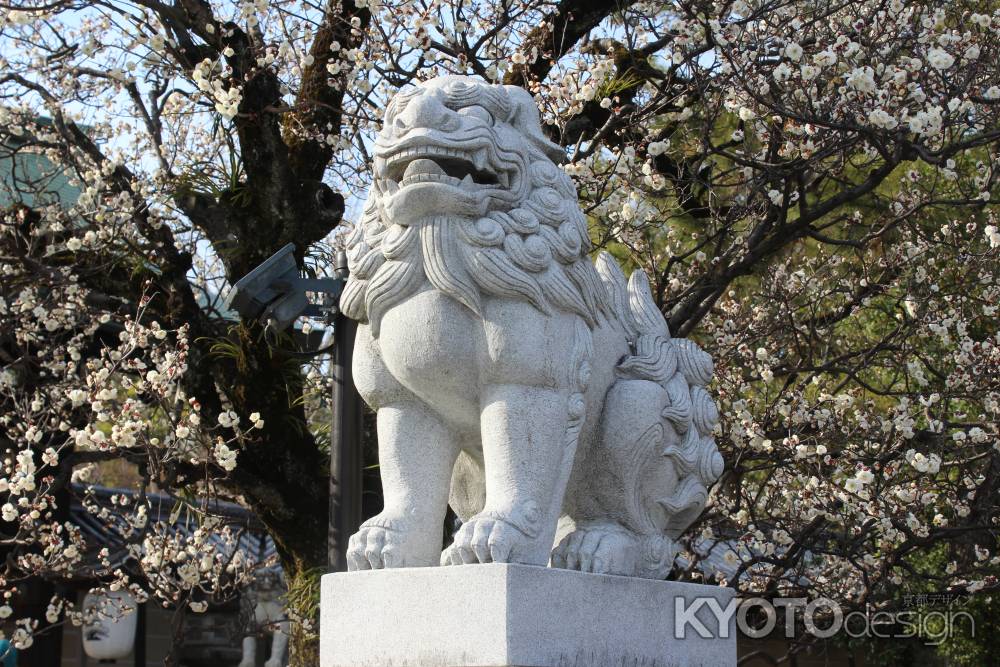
{"x": 422, "y": 166}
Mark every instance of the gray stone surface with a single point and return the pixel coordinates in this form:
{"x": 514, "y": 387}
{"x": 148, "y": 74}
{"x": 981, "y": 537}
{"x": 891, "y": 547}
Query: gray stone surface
{"x": 504, "y": 615}
{"x": 538, "y": 392}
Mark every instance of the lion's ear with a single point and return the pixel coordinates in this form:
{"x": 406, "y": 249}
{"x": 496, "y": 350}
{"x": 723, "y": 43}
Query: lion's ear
{"x": 525, "y": 118}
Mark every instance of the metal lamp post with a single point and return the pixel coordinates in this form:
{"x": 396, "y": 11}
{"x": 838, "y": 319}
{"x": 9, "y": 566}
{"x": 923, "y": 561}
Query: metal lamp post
{"x": 275, "y": 293}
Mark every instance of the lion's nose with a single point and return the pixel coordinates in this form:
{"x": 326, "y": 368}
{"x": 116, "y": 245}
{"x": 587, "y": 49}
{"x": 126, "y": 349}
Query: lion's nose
{"x": 426, "y": 112}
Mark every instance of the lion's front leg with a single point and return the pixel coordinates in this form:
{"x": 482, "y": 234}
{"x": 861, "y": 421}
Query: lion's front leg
{"x": 416, "y": 454}
{"x": 531, "y": 411}
{"x": 523, "y": 429}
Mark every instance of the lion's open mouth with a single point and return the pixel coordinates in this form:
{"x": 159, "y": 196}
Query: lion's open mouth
{"x": 467, "y": 169}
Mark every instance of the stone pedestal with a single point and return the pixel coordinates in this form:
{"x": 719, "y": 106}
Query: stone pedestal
{"x": 519, "y": 616}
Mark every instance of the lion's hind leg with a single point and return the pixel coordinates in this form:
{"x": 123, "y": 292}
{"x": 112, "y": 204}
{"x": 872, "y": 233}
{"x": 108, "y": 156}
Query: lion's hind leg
{"x": 648, "y": 476}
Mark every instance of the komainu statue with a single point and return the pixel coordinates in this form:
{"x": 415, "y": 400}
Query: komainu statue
{"x": 538, "y": 393}
{"x": 264, "y": 604}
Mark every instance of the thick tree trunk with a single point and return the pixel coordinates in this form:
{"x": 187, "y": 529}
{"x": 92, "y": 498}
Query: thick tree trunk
{"x": 282, "y": 473}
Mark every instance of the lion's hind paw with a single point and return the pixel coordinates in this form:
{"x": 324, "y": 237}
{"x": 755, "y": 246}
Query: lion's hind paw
{"x": 598, "y": 548}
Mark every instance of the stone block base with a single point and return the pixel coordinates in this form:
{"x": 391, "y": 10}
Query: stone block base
{"x": 518, "y": 616}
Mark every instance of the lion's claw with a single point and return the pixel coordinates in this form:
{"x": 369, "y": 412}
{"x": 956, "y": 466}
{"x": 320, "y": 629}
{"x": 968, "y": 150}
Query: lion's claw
{"x": 599, "y": 549}
{"x": 485, "y": 538}
{"x": 380, "y": 543}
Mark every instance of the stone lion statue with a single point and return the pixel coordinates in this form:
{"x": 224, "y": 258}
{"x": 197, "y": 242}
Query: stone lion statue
{"x": 265, "y": 604}
{"x": 537, "y": 392}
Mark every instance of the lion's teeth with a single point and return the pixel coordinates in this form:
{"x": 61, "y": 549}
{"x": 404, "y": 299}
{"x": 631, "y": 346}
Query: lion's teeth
{"x": 479, "y": 159}
{"x": 391, "y": 186}
{"x": 467, "y": 182}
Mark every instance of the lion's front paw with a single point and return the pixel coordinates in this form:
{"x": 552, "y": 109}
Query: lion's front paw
{"x": 486, "y": 538}
{"x": 383, "y": 541}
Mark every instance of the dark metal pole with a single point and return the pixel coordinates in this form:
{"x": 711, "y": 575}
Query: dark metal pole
{"x": 139, "y": 650}
{"x": 345, "y": 441}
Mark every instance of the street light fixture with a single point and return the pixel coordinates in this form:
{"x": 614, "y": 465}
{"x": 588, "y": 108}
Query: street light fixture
{"x": 275, "y": 292}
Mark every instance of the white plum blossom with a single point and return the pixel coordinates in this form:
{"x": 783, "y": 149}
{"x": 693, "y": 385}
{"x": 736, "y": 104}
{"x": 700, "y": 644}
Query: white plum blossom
{"x": 228, "y": 419}
{"x": 881, "y": 118}
{"x": 862, "y": 79}
{"x": 993, "y": 235}
{"x": 793, "y": 51}
{"x": 940, "y": 59}
{"x": 224, "y": 456}
{"x": 656, "y": 148}
{"x": 825, "y": 58}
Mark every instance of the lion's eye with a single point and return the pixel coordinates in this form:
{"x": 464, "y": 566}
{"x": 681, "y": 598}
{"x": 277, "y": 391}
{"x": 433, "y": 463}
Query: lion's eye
{"x": 476, "y": 111}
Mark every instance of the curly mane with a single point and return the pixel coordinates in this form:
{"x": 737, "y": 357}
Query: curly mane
{"x": 537, "y": 251}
